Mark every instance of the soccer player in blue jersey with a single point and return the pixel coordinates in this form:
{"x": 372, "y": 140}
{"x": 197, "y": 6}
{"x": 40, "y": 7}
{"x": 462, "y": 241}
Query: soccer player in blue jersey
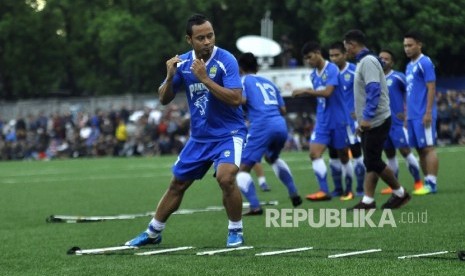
{"x": 398, "y": 138}
{"x": 371, "y": 97}
{"x": 337, "y": 54}
{"x": 421, "y": 109}
{"x": 332, "y": 117}
{"x": 210, "y": 78}
{"x": 267, "y": 132}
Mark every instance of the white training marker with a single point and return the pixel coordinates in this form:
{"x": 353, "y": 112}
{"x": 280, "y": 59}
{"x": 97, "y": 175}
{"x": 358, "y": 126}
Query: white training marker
{"x": 284, "y": 251}
{"x": 104, "y": 250}
{"x": 354, "y": 253}
{"x": 422, "y": 255}
{"x": 223, "y": 250}
{"x": 161, "y": 251}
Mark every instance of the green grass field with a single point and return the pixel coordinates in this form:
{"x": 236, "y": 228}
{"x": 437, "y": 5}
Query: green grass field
{"x": 31, "y": 191}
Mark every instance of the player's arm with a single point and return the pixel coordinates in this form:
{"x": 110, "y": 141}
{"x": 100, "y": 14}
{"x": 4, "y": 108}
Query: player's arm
{"x": 427, "y": 119}
{"x": 327, "y": 92}
{"x": 229, "y": 96}
{"x": 373, "y": 94}
{"x": 165, "y": 91}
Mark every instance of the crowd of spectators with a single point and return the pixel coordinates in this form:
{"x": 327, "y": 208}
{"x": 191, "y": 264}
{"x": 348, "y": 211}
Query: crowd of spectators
{"x": 155, "y": 131}
{"x": 451, "y": 118}
{"x": 120, "y": 132}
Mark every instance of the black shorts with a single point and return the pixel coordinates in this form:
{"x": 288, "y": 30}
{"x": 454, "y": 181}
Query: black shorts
{"x": 373, "y": 144}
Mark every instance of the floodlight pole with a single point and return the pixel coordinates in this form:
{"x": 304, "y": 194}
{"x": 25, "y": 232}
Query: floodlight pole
{"x": 267, "y": 26}
{"x": 266, "y": 31}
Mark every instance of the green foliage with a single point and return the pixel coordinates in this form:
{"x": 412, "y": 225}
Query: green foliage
{"x": 99, "y": 47}
{"x": 385, "y": 22}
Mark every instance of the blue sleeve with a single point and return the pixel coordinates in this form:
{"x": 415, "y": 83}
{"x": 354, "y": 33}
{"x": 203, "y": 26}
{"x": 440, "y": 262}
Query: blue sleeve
{"x": 373, "y": 91}
{"x": 428, "y": 70}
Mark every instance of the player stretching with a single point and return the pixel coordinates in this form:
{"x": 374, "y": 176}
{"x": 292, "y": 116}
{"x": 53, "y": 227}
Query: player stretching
{"x": 210, "y": 77}
{"x": 267, "y": 132}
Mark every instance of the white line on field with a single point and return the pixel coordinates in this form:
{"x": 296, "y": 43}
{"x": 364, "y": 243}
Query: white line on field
{"x": 269, "y": 253}
{"x": 423, "y": 255}
{"x": 354, "y": 253}
{"x": 161, "y": 251}
{"x": 223, "y": 250}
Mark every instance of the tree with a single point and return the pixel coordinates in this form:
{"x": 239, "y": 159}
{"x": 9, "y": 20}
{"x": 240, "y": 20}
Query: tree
{"x": 386, "y": 21}
{"x": 76, "y": 47}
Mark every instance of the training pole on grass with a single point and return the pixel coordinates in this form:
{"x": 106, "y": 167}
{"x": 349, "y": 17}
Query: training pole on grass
{"x": 213, "y": 252}
{"x": 423, "y": 255}
{"x": 81, "y": 219}
{"x": 354, "y": 253}
{"x": 161, "y": 251}
{"x": 78, "y": 251}
{"x": 270, "y": 253}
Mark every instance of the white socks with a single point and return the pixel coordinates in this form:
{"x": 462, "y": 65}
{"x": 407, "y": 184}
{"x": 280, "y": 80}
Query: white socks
{"x": 235, "y": 225}
{"x": 399, "y": 192}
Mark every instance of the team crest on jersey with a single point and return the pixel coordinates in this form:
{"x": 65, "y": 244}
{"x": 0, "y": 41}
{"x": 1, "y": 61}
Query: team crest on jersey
{"x": 227, "y": 153}
{"x": 201, "y": 104}
{"x": 212, "y": 72}
{"x": 389, "y": 82}
{"x": 347, "y": 76}
{"x": 324, "y": 77}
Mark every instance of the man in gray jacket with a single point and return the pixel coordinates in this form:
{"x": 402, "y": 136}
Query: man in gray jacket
{"x": 374, "y": 118}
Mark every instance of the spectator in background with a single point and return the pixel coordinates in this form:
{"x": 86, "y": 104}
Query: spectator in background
{"x": 121, "y": 136}
{"x": 459, "y": 136}
{"x": 444, "y": 122}
{"x": 287, "y": 52}
{"x": 92, "y": 139}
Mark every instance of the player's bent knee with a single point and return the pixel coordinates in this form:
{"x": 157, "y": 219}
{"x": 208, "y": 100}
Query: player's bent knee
{"x": 177, "y": 186}
{"x": 375, "y": 166}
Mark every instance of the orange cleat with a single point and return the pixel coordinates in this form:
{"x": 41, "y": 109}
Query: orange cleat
{"x": 418, "y": 185}
{"x": 347, "y": 196}
{"x": 386, "y": 191}
{"x": 318, "y": 196}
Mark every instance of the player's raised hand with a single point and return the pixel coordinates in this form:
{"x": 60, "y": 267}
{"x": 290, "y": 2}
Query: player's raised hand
{"x": 199, "y": 69}
{"x": 171, "y": 65}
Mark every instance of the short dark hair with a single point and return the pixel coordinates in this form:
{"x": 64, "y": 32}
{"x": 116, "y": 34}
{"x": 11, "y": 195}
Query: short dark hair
{"x": 393, "y": 57}
{"x": 338, "y": 45}
{"x": 248, "y": 62}
{"x": 356, "y": 36}
{"x": 413, "y": 35}
{"x": 310, "y": 46}
{"x": 196, "y": 19}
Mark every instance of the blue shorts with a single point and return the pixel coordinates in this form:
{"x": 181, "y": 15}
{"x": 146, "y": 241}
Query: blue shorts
{"x": 419, "y": 136}
{"x": 351, "y": 129}
{"x": 336, "y": 137}
{"x": 268, "y": 142}
{"x": 196, "y": 158}
{"x": 398, "y": 138}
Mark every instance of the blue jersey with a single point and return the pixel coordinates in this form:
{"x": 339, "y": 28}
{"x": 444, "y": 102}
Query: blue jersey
{"x": 211, "y": 119}
{"x": 419, "y": 72}
{"x": 331, "y": 111}
{"x": 263, "y": 102}
{"x": 396, "y": 85}
{"x": 346, "y": 81}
